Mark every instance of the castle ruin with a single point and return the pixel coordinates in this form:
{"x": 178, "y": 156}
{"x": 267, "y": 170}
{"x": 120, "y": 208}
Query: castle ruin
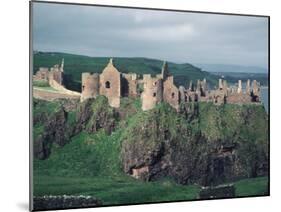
{"x": 54, "y": 78}
{"x": 54, "y": 74}
{"x": 155, "y": 89}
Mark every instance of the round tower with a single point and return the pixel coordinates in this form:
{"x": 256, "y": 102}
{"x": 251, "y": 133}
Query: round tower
{"x": 90, "y": 86}
{"x": 152, "y": 93}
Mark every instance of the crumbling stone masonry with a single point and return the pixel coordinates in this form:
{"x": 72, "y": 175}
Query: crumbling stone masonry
{"x": 90, "y": 85}
{"x": 152, "y": 92}
{"x": 114, "y": 85}
{"x": 129, "y": 85}
{"x": 171, "y": 93}
{"x": 110, "y": 84}
{"x": 55, "y": 73}
{"x": 54, "y": 78}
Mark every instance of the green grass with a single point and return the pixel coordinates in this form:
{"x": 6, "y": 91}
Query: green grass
{"x": 126, "y": 190}
{"x": 44, "y": 107}
{"x": 90, "y": 163}
{"x": 40, "y": 83}
{"x": 115, "y": 190}
{"x": 252, "y": 187}
{"x": 46, "y": 88}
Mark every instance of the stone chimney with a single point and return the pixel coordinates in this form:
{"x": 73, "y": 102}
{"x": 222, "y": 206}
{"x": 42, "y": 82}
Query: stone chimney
{"x": 239, "y": 90}
{"x": 164, "y": 71}
{"x": 256, "y": 88}
{"x": 248, "y": 87}
{"x": 225, "y": 89}
{"x": 191, "y": 86}
{"x": 62, "y": 64}
{"x": 220, "y": 84}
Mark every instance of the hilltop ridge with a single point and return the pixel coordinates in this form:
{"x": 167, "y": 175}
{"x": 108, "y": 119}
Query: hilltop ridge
{"x": 75, "y": 65}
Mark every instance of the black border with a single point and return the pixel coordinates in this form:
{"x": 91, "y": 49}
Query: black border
{"x": 127, "y": 7}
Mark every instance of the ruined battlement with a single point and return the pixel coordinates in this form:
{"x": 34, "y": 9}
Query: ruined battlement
{"x": 54, "y": 73}
{"x": 162, "y": 88}
{"x": 152, "y": 92}
{"x": 155, "y": 89}
{"x": 90, "y": 85}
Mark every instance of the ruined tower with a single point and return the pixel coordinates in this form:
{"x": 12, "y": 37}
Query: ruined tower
{"x": 90, "y": 86}
{"x": 191, "y": 86}
{"x": 152, "y": 92}
{"x": 255, "y": 91}
{"x": 183, "y": 94}
{"x": 201, "y": 88}
{"x": 56, "y": 74}
{"x": 171, "y": 93}
{"x": 220, "y": 84}
{"x": 110, "y": 84}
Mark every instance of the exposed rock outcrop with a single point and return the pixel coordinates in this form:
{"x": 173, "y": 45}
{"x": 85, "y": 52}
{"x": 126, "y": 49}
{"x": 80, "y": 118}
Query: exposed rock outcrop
{"x": 201, "y": 150}
{"x": 95, "y": 114}
{"x": 55, "y": 130}
{"x": 58, "y": 121}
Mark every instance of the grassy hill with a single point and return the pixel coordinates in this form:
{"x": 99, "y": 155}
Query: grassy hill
{"x": 90, "y": 163}
{"x": 76, "y": 64}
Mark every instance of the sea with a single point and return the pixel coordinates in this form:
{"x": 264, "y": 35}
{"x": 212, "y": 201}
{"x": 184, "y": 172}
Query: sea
{"x": 264, "y": 97}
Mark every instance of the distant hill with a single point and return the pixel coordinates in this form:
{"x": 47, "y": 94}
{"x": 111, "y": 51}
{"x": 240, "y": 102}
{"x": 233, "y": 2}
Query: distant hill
{"x": 231, "y": 68}
{"x": 74, "y": 65}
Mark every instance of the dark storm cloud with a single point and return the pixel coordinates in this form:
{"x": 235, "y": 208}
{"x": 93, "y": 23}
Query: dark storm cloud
{"x": 178, "y": 37}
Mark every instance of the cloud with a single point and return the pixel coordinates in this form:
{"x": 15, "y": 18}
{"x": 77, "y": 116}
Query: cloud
{"x": 178, "y": 32}
{"x": 173, "y": 36}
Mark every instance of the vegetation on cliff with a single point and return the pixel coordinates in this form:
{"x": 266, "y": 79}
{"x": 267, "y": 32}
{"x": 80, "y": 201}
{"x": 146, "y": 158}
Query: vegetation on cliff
{"x": 101, "y": 147}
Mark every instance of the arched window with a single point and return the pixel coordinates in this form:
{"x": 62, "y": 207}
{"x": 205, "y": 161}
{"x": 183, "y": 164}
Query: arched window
{"x": 173, "y": 95}
{"x": 154, "y": 94}
{"x": 107, "y": 84}
{"x": 83, "y": 87}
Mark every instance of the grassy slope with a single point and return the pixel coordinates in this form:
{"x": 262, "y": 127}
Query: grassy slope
{"x": 90, "y": 165}
{"x": 76, "y": 64}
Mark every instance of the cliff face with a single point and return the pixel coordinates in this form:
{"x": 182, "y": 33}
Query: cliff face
{"x": 208, "y": 145}
{"x": 56, "y": 122}
{"x": 203, "y": 143}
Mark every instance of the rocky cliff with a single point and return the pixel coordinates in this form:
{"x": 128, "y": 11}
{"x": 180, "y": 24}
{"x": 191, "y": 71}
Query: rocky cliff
{"x": 203, "y": 143}
{"x": 208, "y": 145}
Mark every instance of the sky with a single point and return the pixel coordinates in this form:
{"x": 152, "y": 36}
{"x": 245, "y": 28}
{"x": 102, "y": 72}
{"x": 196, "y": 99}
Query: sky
{"x": 179, "y": 37}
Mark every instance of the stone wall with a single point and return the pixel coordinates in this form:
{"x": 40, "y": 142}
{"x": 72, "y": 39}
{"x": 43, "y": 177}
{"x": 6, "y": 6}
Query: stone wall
{"x": 110, "y": 84}
{"x": 54, "y": 84}
{"x": 57, "y": 75}
{"x": 129, "y": 85}
{"x": 152, "y": 92}
{"x": 114, "y": 85}
{"x": 171, "y": 93}
{"x": 218, "y": 96}
{"x": 90, "y": 86}
{"x": 238, "y": 98}
{"x": 40, "y": 93}
{"x": 42, "y": 74}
